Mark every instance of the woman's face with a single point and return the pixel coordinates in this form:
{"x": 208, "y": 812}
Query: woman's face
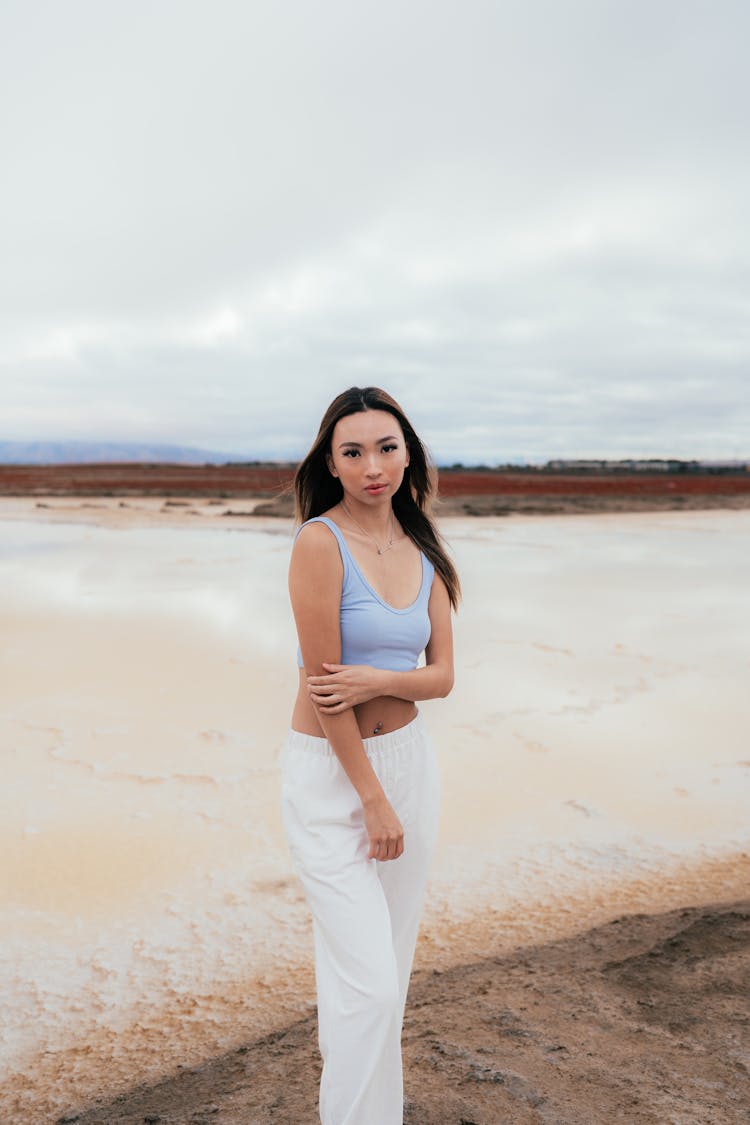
{"x": 368, "y": 455}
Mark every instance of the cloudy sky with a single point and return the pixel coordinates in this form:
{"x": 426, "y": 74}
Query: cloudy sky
{"x": 527, "y": 220}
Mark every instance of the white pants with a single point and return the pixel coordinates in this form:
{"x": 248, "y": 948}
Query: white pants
{"x": 365, "y": 911}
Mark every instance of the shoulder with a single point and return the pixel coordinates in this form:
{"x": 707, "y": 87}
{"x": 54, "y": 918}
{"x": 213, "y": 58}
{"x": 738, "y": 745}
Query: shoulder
{"x": 428, "y": 573}
{"x": 428, "y": 565}
{"x": 316, "y": 547}
{"x": 439, "y": 598}
{"x": 318, "y": 533}
{"x": 316, "y": 570}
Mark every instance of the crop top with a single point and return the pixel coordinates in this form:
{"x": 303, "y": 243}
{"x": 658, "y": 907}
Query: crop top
{"x": 372, "y": 631}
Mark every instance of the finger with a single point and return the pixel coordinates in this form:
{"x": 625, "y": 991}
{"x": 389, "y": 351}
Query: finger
{"x": 334, "y": 667}
{"x": 327, "y": 701}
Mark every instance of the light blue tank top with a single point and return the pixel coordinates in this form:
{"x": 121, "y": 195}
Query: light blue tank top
{"x": 373, "y": 632}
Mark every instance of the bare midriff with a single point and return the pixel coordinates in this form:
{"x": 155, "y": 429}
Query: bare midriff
{"x": 386, "y": 713}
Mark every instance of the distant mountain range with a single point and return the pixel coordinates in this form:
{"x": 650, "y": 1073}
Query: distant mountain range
{"x": 84, "y": 452}
{"x": 133, "y": 452}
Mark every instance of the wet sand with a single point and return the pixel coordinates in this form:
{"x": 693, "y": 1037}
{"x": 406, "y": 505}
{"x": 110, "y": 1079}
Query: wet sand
{"x": 594, "y": 764}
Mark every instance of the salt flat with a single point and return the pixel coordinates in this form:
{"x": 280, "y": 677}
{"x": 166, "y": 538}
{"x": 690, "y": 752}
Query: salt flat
{"x": 593, "y": 754}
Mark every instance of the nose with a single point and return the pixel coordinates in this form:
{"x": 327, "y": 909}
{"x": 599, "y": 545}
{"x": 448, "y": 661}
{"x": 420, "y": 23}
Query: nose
{"x": 373, "y": 468}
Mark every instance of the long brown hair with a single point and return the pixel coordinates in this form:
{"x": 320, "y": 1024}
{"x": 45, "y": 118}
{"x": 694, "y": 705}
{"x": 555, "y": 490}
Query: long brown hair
{"x": 316, "y": 489}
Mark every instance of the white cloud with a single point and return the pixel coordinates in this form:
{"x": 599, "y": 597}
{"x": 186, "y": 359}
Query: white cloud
{"x": 527, "y": 220}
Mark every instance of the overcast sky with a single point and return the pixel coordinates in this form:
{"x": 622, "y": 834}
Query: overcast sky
{"x": 526, "y": 220}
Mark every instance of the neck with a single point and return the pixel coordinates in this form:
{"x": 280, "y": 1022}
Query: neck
{"x": 379, "y": 521}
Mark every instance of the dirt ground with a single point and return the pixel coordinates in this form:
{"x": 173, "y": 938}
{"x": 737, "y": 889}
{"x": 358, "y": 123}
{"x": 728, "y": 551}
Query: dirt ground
{"x": 644, "y": 1020}
{"x": 462, "y": 492}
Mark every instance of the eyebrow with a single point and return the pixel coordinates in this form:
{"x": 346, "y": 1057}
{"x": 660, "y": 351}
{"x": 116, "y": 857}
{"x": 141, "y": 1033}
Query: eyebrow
{"x": 357, "y": 444}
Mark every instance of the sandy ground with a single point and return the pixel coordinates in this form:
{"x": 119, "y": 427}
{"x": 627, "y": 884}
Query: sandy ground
{"x": 142, "y": 511}
{"x": 644, "y": 1020}
{"x": 165, "y": 511}
{"x": 595, "y": 767}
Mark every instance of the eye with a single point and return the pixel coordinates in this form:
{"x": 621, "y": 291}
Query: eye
{"x": 351, "y": 453}
{"x": 389, "y": 448}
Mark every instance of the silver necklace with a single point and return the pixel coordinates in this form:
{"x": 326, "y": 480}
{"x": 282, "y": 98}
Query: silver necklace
{"x": 381, "y": 550}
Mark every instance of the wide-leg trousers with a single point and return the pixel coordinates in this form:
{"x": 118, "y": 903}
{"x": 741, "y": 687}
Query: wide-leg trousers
{"x": 365, "y": 912}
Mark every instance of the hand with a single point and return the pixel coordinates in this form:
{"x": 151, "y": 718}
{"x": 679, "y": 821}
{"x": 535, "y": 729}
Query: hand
{"x": 345, "y": 686}
{"x": 384, "y": 829}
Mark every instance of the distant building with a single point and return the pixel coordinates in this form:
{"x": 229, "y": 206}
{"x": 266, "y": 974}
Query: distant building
{"x": 644, "y": 465}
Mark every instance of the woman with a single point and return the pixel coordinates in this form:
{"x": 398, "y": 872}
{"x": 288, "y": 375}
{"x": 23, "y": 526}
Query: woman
{"x": 371, "y": 588}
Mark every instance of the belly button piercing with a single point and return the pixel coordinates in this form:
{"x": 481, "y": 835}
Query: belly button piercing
{"x": 378, "y": 728}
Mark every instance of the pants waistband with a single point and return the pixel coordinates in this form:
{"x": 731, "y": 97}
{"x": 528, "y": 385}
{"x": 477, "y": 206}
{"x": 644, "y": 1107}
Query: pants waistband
{"x": 376, "y": 744}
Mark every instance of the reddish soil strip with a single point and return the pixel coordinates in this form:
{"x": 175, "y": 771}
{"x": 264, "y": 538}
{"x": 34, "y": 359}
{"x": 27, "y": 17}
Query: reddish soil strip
{"x": 144, "y": 480}
{"x": 589, "y": 484}
{"x": 269, "y": 480}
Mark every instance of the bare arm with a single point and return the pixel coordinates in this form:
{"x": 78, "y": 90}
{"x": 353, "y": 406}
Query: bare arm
{"x": 343, "y": 686}
{"x": 315, "y": 576}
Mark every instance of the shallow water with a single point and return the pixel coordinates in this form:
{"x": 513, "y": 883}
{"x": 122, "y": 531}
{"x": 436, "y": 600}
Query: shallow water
{"x": 593, "y": 756}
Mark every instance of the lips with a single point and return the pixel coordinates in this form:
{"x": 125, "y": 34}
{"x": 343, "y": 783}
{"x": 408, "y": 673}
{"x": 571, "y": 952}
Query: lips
{"x": 375, "y": 489}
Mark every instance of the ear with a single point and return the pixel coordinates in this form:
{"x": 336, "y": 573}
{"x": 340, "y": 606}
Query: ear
{"x": 408, "y": 455}
{"x": 329, "y": 463}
